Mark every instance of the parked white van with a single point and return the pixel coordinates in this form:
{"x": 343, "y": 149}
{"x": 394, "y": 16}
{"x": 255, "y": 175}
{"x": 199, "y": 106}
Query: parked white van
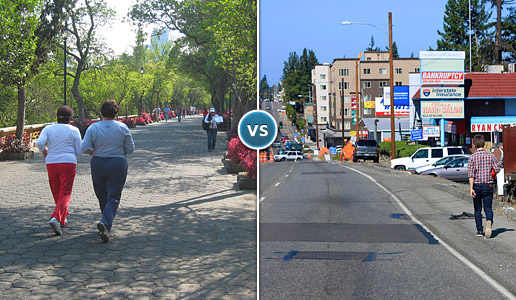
{"x": 426, "y": 156}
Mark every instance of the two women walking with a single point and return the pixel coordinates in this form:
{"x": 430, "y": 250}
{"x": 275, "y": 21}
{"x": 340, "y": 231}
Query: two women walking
{"x": 108, "y": 142}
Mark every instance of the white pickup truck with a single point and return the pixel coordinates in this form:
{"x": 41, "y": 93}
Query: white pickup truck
{"x": 426, "y": 156}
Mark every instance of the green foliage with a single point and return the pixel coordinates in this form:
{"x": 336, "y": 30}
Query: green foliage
{"x": 454, "y": 36}
{"x": 372, "y": 46}
{"x": 509, "y": 34}
{"x": 19, "y": 41}
{"x": 290, "y": 111}
{"x": 402, "y": 148}
{"x": 297, "y": 73}
{"x": 264, "y": 87}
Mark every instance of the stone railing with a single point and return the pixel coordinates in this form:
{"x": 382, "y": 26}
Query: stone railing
{"x": 35, "y": 130}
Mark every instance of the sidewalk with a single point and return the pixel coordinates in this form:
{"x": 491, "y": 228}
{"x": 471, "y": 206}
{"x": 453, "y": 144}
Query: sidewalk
{"x": 183, "y": 229}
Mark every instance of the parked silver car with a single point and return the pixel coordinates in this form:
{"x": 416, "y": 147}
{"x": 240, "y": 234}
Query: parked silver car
{"x": 456, "y": 170}
{"x": 443, "y": 161}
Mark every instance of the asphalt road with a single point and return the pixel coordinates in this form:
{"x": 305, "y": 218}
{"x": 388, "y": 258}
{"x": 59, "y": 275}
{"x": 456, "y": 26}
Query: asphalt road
{"x": 328, "y": 232}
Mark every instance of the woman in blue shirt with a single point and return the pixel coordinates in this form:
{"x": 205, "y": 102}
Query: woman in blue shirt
{"x": 108, "y": 141}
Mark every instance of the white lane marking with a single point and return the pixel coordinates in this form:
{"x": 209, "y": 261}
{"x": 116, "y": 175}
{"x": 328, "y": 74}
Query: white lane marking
{"x": 261, "y": 199}
{"x": 286, "y": 175}
{"x": 277, "y": 184}
{"x": 455, "y": 253}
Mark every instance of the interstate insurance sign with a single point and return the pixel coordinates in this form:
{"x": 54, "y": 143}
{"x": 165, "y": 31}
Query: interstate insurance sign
{"x": 442, "y": 93}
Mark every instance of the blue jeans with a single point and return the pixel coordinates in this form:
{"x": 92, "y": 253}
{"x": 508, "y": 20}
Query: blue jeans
{"x": 484, "y": 195}
{"x": 108, "y": 175}
{"x": 212, "y": 138}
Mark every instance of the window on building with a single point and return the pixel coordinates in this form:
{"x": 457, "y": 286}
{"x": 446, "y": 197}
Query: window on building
{"x": 346, "y": 85}
{"x": 416, "y": 70}
{"x": 323, "y": 119}
{"x": 323, "y": 76}
{"x": 367, "y": 98}
{"x": 340, "y": 85}
{"x": 368, "y": 58}
{"x": 382, "y": 84}
{"x": 347, "y": 125}
{"x": 346, "y": 111}
{"x": 398, "y": 83}
{"x": 347, "y": 99}
{"x": 323, "y": 108}
{"x": 382, "y": 71}
{"x": 343, "y": 72}
{"x": 323, "y": 97}
{"x": 366, "y": 84}
{"x": 368, "y": 111}
{"x": 398, "y": 70}
{"x": 323, "y": 87}
{"x": 367, "y": 71}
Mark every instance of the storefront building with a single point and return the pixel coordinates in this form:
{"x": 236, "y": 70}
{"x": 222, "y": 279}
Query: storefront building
{"x": 489, "y": 102}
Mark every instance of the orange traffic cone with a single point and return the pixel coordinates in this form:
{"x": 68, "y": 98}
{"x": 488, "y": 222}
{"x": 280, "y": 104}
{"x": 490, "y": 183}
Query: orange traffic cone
{"x": 271, "y": 157}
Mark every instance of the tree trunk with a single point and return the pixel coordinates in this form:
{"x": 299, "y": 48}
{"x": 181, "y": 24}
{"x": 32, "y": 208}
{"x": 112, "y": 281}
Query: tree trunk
{"x": 75, "y": 92}
{"x": 20, "y": 121}
{"x": 498, "y": 42}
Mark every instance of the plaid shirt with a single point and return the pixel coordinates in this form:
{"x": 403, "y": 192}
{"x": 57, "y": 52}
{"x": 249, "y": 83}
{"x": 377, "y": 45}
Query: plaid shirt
{"x": 480, "y": 165}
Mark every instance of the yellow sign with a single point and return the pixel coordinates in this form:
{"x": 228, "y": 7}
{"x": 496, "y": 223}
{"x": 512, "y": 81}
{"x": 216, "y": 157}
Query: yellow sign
{"x": 353, "y": 133}
{"x": 369, "y": 104}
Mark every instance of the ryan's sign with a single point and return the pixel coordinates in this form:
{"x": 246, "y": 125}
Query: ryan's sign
{"x": 489, "y": 127}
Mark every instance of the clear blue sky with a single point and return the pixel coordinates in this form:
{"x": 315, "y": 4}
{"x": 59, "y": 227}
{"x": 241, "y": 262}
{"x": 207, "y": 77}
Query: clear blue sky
{"x": 288, "y": 26}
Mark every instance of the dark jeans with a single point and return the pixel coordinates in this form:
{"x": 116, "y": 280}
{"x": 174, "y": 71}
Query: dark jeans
{"x": 109, "y": 175}
{"x": 484, "y": 195}
{"x": 212, "y": 138}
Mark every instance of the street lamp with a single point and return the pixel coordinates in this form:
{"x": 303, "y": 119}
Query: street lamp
{"x": 391, "y": 79}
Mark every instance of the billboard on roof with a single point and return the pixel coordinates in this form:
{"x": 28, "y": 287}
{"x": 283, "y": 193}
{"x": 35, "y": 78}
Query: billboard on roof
{"x": 442, "y": 67}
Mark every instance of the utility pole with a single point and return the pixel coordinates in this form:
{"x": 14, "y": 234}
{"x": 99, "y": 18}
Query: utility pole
{"x": 391, "y": 83}
{"x": 314, "y": 95}
{"x": 342, "y": 109}
{"x": 357, "y": 100}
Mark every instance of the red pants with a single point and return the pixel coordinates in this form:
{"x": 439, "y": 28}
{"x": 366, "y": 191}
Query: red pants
{"x": 61, "y": 177}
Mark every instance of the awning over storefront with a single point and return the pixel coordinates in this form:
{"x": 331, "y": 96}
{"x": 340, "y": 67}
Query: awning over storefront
{"x": 490, "y": 124}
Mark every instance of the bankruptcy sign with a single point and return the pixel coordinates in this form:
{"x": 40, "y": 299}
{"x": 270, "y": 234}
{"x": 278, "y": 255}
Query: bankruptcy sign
{"x": 440, "y": 77}
{"x": 442, "y": 67}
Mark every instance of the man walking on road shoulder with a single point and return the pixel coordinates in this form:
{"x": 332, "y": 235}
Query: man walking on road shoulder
{"x": 480, "y": 165}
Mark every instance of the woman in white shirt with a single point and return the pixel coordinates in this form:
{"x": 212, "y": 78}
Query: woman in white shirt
{"x": 60, "y": 144}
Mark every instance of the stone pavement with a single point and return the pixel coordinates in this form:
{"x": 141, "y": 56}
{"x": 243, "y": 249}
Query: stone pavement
{"x": 183, "y": 230}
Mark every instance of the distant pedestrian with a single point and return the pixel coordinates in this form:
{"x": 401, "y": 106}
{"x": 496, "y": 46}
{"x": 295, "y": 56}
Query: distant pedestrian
{"x": 157, "y": 114}
{"x": 60, "y": 144}
{"x": 213, "y": 120}
{"x": 108, "y": 141}
{"x": 480, "y": 166}
{"x": 167, "y": 111}
{"x": 179, "y": 115}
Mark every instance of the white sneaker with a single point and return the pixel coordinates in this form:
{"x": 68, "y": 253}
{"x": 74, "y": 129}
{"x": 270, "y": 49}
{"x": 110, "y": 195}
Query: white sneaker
{"x": 55, "y": 226}
{"x": 104, "y": 232}
{"x": 489, "y": 230}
